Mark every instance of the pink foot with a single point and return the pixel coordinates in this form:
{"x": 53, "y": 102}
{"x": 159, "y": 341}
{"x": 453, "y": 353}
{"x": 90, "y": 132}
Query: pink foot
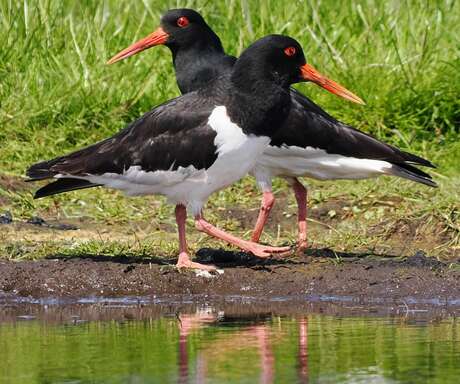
{"x": 185, "y": 262}
{"x": 247, "y": 246}
{"x": 301, "y": 246}
{"x": 264, "y": 250}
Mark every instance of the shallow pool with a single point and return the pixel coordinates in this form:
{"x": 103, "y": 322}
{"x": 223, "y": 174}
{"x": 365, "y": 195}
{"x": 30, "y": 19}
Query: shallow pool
{"x": 206, "y": 344}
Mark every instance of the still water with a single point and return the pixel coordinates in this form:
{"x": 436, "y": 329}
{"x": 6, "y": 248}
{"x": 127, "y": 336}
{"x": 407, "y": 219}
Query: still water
{"x": 203, "y": 344}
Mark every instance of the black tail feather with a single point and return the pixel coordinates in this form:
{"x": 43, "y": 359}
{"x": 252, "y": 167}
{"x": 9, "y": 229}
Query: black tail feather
{"x": 412, "y": 173}
{"x": 63, "y": 185}
{"x": 417, "y": 160}
{"x": 415, "y": 170}
{"x": 41, "y": 171}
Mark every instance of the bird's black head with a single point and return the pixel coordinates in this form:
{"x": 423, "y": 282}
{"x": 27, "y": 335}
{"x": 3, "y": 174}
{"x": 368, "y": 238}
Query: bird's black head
{"x": 273, "y": 58}
{"x": 186, "y": 28}
{"x": 280, "y": 60}
{"x": 180, "y": 29}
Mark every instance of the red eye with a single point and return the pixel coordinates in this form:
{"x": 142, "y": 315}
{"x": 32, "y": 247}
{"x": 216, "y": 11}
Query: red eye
{"x": 290, "y": 51}
{"x": 182, "y": 22}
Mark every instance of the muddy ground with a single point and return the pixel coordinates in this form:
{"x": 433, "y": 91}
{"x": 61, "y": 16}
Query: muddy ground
{"x": 378, "y": 276}
{"x": 317, "y": 274}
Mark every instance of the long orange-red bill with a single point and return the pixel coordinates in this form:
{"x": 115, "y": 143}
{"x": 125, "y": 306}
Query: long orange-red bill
{"x": 157, "y": 37}
{"x": 311, "y": 74}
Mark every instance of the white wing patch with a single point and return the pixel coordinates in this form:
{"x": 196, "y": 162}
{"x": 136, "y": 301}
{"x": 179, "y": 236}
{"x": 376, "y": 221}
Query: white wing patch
{"x": 229, "y": 135}
{"x": 317, "y": 164}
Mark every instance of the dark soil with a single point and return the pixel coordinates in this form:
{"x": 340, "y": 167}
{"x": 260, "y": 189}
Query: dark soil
{"x": 319, "y": 273}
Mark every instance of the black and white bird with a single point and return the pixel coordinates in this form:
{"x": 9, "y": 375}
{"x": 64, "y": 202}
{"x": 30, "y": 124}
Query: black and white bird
{"x": 194, "y": 145}
{"x": 310, "y": 143}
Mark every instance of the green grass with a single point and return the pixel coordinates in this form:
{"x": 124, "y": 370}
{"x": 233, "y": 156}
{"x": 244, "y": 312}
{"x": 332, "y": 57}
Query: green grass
{"x": 402, "y": 57}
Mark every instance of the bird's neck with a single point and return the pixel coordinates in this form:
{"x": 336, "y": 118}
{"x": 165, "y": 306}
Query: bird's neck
{"x": 198, "y": 65}
{"x": 261, "y": 95}
{"x": 260, "y": 108}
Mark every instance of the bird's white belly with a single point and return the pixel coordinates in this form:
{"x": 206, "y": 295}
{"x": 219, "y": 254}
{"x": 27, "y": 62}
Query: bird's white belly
{"x": 237, "y": 154}
{"x": 314, "y": 163}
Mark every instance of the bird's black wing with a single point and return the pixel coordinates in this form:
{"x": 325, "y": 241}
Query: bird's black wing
{"x": 174, "y": 134}
{"x": 310, "y": 126}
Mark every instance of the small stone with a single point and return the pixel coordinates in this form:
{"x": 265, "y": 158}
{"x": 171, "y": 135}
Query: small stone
{"x": 64, "y": 227}
{"x": 6, "y": 218}
{"x": 207, "y": 274}
{"x": 35, "y": 220}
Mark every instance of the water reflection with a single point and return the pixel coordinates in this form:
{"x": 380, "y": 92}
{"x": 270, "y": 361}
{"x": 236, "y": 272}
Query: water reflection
{"x": 259, "y": 335}
{"x": 223, "y": 345}
{"x": 187, "y": 325}
{"x": 303, "y": 351}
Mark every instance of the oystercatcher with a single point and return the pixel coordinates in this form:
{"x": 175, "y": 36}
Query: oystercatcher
{"x": 194, "y": 145}
{"x": 311, "y": 142}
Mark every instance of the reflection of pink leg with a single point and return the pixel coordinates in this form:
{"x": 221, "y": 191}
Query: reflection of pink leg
{"x": 267, "y": 204}
{"x": 187, "y": 324}
{"x": 201, "y": 368}
{"x": 184, "y": 259}
{"x": 267, "y": 359}
{"x": 183, "y": 359}
{"x": 303, "y": 351}
{"x": 247, "y": 246}
{"x": 301, "y": 197}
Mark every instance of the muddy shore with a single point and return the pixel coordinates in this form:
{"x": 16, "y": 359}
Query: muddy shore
{"x": 320, "y": 274}
{"x": 363, "y": 279}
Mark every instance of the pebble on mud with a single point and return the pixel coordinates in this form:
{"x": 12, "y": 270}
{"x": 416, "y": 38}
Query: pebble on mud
{"x": 36, "y": 220}
{"x": 6, "y": 218}
{"x": 207, "y": 274}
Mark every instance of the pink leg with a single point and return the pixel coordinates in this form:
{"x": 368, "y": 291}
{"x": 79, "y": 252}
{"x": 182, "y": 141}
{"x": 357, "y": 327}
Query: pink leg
{"x": 267, "y": 204}
{"x": 184, "y": 259}
{"x": 247, "y": 246}
{"x": 301, "y": 197}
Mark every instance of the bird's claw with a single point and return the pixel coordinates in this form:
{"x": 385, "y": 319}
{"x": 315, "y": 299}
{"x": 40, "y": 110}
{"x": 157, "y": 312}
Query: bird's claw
{"x": 266, "y": 251}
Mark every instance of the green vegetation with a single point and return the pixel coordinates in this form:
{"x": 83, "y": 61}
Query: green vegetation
{"x": 402, "y": 57}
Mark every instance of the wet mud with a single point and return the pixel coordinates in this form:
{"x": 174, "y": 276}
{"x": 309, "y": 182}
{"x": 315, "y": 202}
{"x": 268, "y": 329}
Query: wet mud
{"x": 318, "y": 275}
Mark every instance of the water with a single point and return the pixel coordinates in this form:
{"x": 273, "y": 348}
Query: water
{"x": 221, "y": 344}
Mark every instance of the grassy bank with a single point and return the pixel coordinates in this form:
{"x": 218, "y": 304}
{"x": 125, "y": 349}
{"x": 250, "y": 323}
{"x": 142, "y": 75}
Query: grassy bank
{"x": 402, "y": 57}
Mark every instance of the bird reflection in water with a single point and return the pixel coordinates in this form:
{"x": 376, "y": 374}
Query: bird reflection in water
{"x": 257, "y": 334}
{"x": 302, "y": 357}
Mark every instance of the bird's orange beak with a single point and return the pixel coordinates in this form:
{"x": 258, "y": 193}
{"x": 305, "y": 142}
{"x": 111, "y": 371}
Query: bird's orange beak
{"x": 157, "y": 37}
{"x": 311, "y": 74}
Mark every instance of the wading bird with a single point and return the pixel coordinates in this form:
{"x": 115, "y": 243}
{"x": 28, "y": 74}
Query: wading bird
{"x": 194, "y": 145}
{"x": 310, "y": 143}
